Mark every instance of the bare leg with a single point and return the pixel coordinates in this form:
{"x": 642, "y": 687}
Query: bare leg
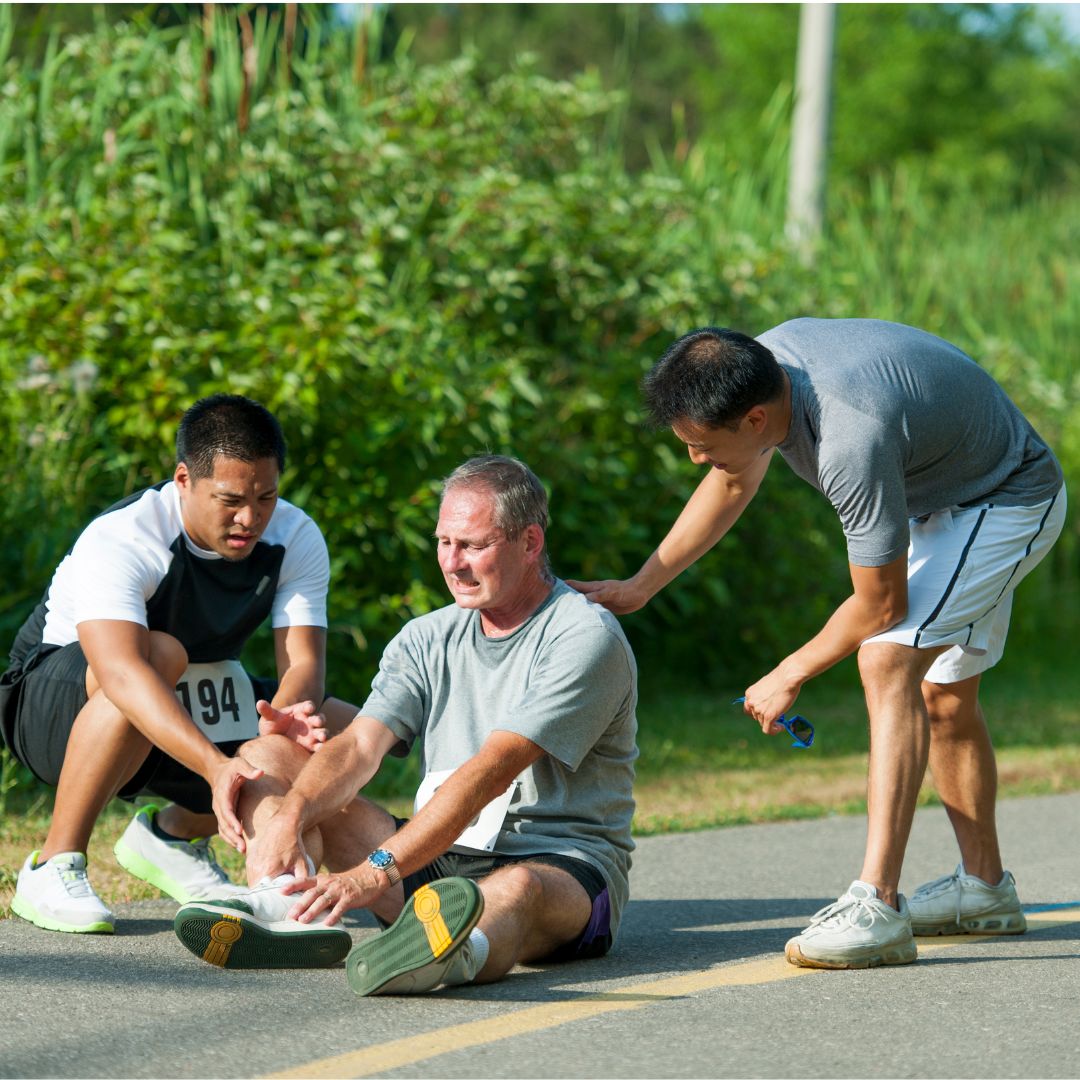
{"x": 965, "y": 772}
{"x": 281, "y": 761}
{"x": 530, "y": 909}
{"x": 899, "y": 745}
{"x": 104, "y": 752}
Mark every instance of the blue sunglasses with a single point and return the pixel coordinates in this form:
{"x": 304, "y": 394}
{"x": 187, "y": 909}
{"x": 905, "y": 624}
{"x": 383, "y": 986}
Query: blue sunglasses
{"x": 798, "y": 727}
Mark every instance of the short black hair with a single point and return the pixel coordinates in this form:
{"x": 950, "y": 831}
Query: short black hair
{"x": 227, "y": 425}
{"x": 711, "y": 377}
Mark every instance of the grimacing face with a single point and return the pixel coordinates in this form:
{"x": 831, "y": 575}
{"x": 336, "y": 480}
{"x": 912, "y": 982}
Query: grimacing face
{"x": 227, "y": 512}
{"x": 483, "y": 569}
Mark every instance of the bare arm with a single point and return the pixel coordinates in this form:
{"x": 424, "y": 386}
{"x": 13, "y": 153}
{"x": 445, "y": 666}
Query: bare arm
{"x": 878, "y": 601}
{"x": 300, "y": 653}
{"x": 435, "y": 827}
{"x": 711, "y": 511}
{"x": 326, "y": 784}
{"x": 118, "y": 654}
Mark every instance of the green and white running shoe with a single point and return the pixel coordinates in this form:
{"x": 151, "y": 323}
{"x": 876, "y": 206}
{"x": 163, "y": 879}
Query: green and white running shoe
{"x": 857, "y": 931}
{"x": 252, "y": 931}
{"x": 961, "y": 903}
{"x": 183, "y": 869}
{"x": 57, "y": 895}
{"x": 426, "y": 947}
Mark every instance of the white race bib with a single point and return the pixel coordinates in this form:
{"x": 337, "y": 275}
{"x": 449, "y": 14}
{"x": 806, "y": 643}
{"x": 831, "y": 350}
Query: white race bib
{"x": 220, "y": 700}
{"x": 482, "y": 832}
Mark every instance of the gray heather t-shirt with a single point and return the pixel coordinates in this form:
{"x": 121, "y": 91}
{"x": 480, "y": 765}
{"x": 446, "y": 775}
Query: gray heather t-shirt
{"x": 566, "y": 680}
{"x": 892, "y": 423}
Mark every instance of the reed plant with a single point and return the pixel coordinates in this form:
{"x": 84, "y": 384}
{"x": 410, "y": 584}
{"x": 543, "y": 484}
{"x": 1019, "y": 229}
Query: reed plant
{"x": 413, "y": 263}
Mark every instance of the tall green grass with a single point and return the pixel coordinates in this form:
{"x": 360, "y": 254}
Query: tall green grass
{"x": 412, "y": 263}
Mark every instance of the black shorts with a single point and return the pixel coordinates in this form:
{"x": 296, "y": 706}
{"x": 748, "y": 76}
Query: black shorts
{"x": 594, "y": 941}
{"x": 49, "y": 697}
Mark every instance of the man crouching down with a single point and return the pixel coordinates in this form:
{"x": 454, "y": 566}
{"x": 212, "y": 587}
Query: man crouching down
{"x": 521, "y": 695}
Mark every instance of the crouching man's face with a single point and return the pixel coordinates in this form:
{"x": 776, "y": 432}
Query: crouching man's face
{"x": 483, "y": 568}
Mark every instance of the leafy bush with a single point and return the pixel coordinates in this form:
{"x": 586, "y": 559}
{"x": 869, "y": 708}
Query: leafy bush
{"x": 406, "y": 270}
{"x": 410, "y": 265}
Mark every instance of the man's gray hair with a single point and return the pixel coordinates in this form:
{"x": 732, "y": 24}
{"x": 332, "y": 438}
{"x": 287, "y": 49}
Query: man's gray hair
{"x": 520, "y": 499}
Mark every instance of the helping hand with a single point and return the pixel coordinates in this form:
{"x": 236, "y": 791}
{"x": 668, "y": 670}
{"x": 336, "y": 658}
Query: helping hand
{"x": 225, "y": 787}
{"x": 619, "y": 597}
{"x": 299, "y": 722}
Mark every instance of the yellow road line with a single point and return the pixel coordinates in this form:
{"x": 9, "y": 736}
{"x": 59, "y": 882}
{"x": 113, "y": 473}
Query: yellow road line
{"x": 408, "y": 1051}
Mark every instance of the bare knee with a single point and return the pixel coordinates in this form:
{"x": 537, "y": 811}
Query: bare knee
{"x": 276, "y": 755}
{"x": 167, "y": 656}
{"x": 518, "y": 886}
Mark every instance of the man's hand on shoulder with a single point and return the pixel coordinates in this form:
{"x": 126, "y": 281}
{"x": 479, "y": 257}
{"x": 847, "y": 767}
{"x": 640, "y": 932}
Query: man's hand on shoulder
{"x": 300, "y": 722}
{"x": 619, "y": 597}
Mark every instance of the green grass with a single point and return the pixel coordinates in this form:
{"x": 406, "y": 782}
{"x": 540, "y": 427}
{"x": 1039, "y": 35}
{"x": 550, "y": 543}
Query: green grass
{"x": 703, "y": 764}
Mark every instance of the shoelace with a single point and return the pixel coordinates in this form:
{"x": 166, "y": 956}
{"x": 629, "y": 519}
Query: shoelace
{"x": 203, "y": 852}
{"x": 857, "y": 910}
{"x": 76, "y": 883}
{"x": 938, "y": 885}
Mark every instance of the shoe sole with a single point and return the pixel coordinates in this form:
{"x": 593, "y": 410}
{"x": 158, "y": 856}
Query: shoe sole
{"x": 434, "y": 924}
{"x": 998, "y": 922}
{"x": 900, "y": 953}
{"x": 237, "y": 942}
{"x": 21, "y": 908}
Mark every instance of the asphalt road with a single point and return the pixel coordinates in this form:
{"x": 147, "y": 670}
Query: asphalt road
{"x": 696, "y": 986}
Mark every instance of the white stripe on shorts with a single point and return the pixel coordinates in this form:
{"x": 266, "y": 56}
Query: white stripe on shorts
{"x": 963, "y": 565}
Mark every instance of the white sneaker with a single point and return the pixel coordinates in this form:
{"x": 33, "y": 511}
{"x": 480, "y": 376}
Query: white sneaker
{"x": 252, "y": 931}
{"x": 961, "y": 903}
{"x": 858, "y": 931}
{"x": 57, "y": 895}
{"x": 183, "y": 869}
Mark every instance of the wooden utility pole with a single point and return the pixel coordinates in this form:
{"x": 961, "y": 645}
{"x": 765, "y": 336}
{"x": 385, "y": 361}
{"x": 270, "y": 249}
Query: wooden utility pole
{"x": 810, "y": 127}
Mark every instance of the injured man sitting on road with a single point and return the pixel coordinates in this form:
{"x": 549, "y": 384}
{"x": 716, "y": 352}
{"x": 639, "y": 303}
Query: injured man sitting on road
{"x": 521, "y": 695}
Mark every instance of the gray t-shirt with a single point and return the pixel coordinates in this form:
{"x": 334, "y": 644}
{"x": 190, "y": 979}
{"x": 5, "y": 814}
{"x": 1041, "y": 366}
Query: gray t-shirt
{"x": 892, "y": 423}
{"x": 566, "y": 680}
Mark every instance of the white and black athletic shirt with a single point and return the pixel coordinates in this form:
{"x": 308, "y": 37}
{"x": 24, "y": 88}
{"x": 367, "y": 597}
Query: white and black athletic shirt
{"x": 136, "y": 563}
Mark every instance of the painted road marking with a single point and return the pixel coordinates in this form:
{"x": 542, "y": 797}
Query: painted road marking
{"x": 408, "y": 1051}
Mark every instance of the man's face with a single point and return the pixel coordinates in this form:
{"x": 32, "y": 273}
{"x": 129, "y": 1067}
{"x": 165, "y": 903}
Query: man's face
{"x": 229, "y": 511}
{"x": 730, "y": 451}
{"x": 482, "y": 568}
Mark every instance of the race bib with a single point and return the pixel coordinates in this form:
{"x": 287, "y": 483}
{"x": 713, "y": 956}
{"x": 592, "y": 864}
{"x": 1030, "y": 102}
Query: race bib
{"x": 220, "y": 700}
{"x": 482, "y": 832}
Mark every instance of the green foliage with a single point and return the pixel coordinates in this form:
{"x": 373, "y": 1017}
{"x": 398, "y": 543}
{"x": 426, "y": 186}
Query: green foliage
{"x": 408, "y": 270}
{"x": 986, "y": 96}
{"x": 411, "y": 263}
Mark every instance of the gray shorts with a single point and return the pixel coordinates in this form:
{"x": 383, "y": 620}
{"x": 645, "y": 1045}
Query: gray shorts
{"x": 42, "y": 712}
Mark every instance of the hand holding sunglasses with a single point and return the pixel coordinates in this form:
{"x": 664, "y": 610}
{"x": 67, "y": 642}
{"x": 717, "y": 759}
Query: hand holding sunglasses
{"x": 798, "y": 727}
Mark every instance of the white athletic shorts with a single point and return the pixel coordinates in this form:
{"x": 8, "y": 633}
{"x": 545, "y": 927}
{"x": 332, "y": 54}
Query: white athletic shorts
{"x": 963, "y": 565}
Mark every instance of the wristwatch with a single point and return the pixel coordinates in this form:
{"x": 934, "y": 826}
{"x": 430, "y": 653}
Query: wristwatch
{"x": 382, "y": 860}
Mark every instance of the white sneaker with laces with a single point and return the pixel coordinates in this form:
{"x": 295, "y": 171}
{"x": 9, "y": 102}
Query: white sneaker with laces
{"x": 57, "y": 895}
{"x": 252, "y": 930}
{"x": 961, "y": 903}
{"x": 183, "y": 869}
{"x": 857, "y": 931}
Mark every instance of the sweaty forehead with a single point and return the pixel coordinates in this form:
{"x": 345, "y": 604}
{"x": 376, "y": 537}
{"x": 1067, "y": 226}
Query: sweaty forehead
{"x": 467, "y": 513}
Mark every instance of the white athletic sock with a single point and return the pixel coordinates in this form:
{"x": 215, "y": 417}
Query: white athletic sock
{"x": 469, "y": 960}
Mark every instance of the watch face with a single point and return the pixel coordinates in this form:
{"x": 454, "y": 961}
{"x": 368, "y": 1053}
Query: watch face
{"x": 381, "y": 859}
